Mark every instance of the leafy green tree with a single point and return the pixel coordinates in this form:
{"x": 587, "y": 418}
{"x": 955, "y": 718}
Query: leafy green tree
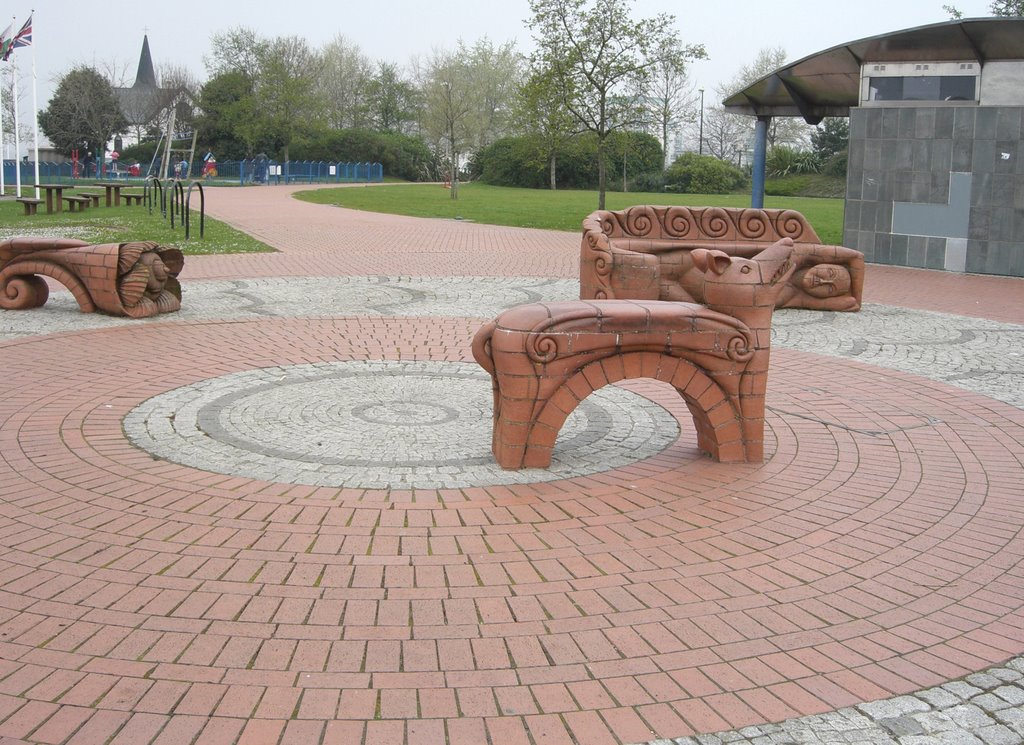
{"x": 393, "y": 103}
{"x": 286, "y": 90}
{"x": 634, "y": 154}
{"x": 1011, "y": 8}
{"x": 228, "y": 122}
{"x": 82, "y": 113}
{"x": 1005, "y": 8}
{"x": 830, "y": 137}
{"x": 511, "y": 161}
{"x": 541, "y": 111}
{"x": 282, "y": 75}
{"x": 603, "y": 62}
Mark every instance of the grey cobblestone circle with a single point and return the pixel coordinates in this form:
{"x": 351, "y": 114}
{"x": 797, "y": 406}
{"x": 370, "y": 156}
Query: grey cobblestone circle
{"x": 377, "y": 425}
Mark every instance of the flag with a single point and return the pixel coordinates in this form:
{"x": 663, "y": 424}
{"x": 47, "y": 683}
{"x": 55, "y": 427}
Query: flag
{"x": 22, "y": 39}
{"x": 6, "y": 42}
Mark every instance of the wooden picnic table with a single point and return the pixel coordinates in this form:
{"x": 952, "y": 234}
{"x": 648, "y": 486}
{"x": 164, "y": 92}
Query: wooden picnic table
{"x": 112, "y": 188}
{"x": 50, "y": 190}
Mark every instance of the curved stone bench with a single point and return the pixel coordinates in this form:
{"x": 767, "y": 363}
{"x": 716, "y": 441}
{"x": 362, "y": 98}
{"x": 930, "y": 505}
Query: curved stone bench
{"x": 545, "y": 358}
{"x": 644, "y": 253}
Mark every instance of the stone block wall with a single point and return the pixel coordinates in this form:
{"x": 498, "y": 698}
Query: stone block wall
{"x": 937, "y": 187}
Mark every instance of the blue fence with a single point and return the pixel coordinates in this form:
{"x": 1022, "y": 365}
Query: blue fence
{"x": 261, "y": 171}
{"x": 257, "y": 171}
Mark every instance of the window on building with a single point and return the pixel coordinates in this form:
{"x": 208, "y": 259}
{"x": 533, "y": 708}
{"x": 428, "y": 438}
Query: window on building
{"x": 920, "y": 81}
{"x": 923, "y": 88}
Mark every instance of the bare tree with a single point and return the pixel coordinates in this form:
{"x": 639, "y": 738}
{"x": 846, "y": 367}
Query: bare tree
{"x": 449, "y": 101}
{"x": 726, "y": 135}
{"x": 673, "y": 98}
{"x": 733, "y": 131}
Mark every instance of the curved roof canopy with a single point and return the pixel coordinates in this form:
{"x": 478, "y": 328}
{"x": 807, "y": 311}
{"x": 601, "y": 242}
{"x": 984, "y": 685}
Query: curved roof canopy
{"x": 828, "y": 83}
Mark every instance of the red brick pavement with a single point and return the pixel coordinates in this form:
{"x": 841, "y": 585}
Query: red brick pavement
{"x": 876, "y": 551}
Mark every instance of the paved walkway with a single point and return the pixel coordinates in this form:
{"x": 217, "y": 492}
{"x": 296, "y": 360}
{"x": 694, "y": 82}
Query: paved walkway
{"x": 272, "y": 518}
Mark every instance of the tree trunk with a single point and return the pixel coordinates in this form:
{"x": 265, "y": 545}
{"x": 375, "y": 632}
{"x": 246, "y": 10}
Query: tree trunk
{"x": 453, "y": 177}
{"x": 551, "y": 165}
{"x": 602, "y": 172}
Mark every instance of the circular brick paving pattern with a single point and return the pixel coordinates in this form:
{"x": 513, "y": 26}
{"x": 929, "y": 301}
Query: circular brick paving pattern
{"x": 379, "y": 425}
{"x": 876, "y": 551}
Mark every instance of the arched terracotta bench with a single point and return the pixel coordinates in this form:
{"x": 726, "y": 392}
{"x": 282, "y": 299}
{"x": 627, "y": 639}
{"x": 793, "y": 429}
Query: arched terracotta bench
{"x": 544, "y": 358}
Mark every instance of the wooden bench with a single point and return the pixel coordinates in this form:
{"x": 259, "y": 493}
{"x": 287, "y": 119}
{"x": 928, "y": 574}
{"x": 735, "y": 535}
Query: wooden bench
{"x": 94, "y": 197}
{"x": 31, "y": 205}
{"x": 131, "y": 199}
{"x": 76, "y": 203}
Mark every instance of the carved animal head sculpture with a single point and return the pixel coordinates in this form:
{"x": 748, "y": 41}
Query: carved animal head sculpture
{"x": 746, "y": 288}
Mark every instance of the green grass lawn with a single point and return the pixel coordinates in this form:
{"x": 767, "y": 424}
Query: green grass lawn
{"x": 119, "y": 224}
{"x": 554, "y": 210}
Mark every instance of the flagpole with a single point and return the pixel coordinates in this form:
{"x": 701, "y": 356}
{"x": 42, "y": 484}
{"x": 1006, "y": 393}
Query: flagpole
{"x": 3, "y": 186}
{"x": 17, "y": 137}
{"x": 35, "y": 106}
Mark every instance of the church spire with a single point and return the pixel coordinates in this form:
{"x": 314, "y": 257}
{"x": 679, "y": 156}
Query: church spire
{"x": 146, "y": 75}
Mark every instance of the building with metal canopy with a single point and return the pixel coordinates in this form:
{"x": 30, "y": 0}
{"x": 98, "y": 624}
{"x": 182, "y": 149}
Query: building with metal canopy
{"x": 936, "y": 160}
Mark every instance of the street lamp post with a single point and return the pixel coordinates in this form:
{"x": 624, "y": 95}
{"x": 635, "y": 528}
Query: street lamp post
{"x": 700, "y": 142}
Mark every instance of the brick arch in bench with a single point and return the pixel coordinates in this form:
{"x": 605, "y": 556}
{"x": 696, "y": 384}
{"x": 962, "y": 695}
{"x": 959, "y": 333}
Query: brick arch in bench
{"x": 715, "y": 411}
{"x": 545, "y": 358}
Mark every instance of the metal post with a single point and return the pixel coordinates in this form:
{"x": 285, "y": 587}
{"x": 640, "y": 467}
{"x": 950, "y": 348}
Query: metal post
{"x": 760, "y": 157}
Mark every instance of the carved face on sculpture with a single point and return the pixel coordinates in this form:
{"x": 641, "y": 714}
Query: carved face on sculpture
{"x": 826, "y": 280}
{"x": 157, "y": 273}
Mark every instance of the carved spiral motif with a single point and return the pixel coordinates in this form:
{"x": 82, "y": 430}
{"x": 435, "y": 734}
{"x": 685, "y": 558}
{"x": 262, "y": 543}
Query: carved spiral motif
{"x": 641, "y": 221}
{"x": 753, "y": 224}
{"x": 607, "y": 222}
{"x": 541, "y": 347}
{"x": 22, "y": 291}
{"x": 678, "y": 222}
{"x": 790, "y": 224}
{"x": 714, "y": 222}
{"x": 740, "y": 348}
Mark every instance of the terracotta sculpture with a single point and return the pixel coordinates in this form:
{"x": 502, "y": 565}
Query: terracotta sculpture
{"x": 644, "y": 253}
{"x": 136, "y": 279}
{"x": 544, "y": 358}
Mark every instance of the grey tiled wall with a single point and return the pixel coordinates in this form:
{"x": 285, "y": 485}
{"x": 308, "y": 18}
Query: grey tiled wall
{"x": 903, "y": 157}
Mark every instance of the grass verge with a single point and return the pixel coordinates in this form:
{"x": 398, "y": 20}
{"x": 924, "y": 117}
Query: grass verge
{"x": 119, "y": 224}
{"x": 553, "y": 210}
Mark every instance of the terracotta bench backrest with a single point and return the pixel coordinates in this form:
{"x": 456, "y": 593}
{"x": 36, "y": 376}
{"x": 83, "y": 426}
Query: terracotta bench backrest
{"x": 650, "y": 230}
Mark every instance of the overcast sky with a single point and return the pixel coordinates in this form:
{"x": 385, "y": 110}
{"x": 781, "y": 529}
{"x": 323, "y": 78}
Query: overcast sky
{"x": 70, "y": 32}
